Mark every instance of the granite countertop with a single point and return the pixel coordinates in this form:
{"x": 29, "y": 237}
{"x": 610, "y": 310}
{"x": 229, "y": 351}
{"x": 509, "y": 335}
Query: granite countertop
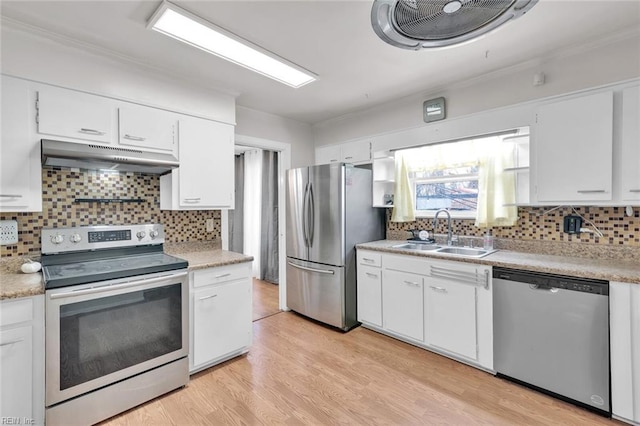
{"x": 14, "y": 283}
{"x": 605, "y": 269}
{"x": 207, "y": 254}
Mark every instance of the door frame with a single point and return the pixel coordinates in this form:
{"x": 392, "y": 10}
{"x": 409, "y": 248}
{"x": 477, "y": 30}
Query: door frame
{"x": 284, "y": 163}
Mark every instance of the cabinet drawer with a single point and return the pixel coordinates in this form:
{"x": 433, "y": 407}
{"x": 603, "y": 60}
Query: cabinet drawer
{"x": 221, "y": 274}
{"x": 16, "y": 311}
{"x": 405, "y": 263}
{"x": 369, "y": 258}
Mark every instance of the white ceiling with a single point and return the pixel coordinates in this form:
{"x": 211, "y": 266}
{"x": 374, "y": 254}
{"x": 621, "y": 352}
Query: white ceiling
{"x": 333, "y": 39}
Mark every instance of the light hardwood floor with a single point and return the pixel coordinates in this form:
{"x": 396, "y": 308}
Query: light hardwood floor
{"x": 265, "y": 299}
{"x": 301, "y": 373}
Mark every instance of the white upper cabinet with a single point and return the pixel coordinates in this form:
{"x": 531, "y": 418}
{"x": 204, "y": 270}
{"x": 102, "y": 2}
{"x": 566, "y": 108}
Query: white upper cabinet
{"x": 76, "y": 115}
{"x": 20, "y": 173}
{"x": 574, "y": 146}
{"x": 352, "y": 152}
{"x": 205, "y": 178}
{"x": 630, "y": 147}
{"x": 145, "y": 127}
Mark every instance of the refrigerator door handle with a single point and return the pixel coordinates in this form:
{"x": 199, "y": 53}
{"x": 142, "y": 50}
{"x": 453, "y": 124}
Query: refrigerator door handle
{"x": 304, "y": 214}
{"x": 306, "y": 268}
{"x": 312, "y": 215}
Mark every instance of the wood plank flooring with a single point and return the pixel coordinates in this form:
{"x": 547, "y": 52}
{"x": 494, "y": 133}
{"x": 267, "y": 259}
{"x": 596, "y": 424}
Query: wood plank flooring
{"x": 301, "y": 373}
{"x": 265, "y": 299}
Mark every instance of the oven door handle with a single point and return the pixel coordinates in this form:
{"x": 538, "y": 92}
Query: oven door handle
{"x": 109, "y": 287}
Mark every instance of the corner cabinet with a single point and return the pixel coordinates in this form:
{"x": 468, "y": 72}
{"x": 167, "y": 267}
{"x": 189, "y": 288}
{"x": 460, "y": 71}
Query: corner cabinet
{"x": 624, "y": 326}
{"x": 220, "y": 314}
{"x": 574, "y": 146}
{"x": 205, "y": 178}
{"x": 22, "y": 360}
{"x": 20, "y": 172}
{"x": 443, "y": 306}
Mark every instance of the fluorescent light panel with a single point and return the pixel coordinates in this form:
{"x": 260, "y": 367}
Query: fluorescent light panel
{"x": 188, "y": 28}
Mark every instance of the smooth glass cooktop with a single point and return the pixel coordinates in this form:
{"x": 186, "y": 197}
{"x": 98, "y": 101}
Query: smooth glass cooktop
{"x": 107, "y": 269}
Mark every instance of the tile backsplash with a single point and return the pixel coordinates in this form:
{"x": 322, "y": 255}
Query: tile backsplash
{"x": 62, "y": 186}
{"x": 541, "y": 224}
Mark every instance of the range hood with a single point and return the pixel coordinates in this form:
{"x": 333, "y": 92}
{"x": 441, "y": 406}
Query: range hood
{"x": 99, "y": 157}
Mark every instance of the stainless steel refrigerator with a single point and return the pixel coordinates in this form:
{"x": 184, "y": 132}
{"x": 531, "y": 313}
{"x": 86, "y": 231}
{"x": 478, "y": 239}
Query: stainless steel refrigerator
{"x": 329, "y": 211}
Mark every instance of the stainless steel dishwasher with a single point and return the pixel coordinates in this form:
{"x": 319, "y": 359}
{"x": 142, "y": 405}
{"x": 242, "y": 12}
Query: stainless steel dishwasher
{"x": 552, "y": 333}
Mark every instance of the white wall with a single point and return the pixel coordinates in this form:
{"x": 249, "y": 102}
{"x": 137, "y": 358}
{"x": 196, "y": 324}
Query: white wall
{"x": 251, "y": 122}
{"x": 610, "y": 61}
{"x": 36, "y": 56}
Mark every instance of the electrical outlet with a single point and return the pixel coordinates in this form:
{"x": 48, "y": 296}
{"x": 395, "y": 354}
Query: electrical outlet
{"x": 209, "y": 225}
{"x": 8, "y": 232}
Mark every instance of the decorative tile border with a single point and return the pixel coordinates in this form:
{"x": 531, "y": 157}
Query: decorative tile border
{"x": 61, "y": 186}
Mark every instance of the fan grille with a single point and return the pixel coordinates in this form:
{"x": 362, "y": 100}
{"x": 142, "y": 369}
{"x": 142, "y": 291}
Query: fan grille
{"x": 426, "y": 20}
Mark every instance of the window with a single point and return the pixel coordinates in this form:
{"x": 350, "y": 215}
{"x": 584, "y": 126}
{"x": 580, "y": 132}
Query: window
{"x": 458, "y": 175}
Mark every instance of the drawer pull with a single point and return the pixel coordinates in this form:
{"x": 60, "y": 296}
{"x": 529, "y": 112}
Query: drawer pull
{"x": 91, "y": 132}
{"x": 223, "y": 275}
{"x": 208, "y": 297}
{"x": 369, "y": 274}
{"x": 634, "y": 190}
{"x": 438, "y": 289}
{"x": 135, "y": 138}
{"x": 348, "y": 158}
{"x": 412, "y": 283}
{"x": 20, "y": 196}
{"x": 191, "y": 200}
{"x": 367, "y": 259}
{"x": 590, "y": 191}
{"x": 13, "y": 342}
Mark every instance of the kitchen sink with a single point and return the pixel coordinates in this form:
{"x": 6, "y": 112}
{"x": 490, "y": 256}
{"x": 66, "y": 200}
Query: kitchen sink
{"x": 465, "y": 251}
{"x": 417, "y": 246}
{"x": 454, "y": 251}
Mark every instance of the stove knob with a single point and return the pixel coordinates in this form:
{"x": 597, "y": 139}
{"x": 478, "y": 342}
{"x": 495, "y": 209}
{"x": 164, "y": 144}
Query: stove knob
{"x": 75, "y": 238}
{"x": 57, "y": 239}
{"x": 153, "y": 234}
{"x": 141, "y": 234}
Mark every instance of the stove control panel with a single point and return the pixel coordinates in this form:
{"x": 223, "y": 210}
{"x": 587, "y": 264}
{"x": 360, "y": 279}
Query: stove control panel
{"x": 84, "y": 238}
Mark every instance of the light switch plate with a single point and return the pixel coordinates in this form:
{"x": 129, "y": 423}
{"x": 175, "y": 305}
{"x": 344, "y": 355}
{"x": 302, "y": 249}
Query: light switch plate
{"x": 8, "y": 232}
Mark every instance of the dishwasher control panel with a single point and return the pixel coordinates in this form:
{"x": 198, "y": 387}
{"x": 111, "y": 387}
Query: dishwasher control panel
{"x": 548, "y": 281}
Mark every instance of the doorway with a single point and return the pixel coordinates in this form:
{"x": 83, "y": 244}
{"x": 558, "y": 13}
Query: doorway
{"x": 268, "y": 297}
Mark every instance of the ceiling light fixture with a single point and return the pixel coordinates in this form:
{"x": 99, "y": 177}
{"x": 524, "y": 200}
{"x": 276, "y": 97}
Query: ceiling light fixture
{"x": 177, "y": 23}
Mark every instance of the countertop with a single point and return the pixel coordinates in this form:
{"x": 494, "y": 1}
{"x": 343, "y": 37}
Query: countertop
{"x": 611, "y": 270}
{"x": 14, "y": 283}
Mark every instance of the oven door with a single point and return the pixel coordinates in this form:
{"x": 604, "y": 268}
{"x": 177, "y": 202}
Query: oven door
{"x": 101, "y": 333}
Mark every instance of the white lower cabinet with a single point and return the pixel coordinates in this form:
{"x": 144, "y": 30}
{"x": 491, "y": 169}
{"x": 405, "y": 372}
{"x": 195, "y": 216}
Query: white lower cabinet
{"x": 443, "y": 306}
{"x": 221, "y": 322}
{"x": 403, "y": 303}
{"x": 450, "y": 320}
{"x": 624, "y": 310}
{"x": 22, "y": 360}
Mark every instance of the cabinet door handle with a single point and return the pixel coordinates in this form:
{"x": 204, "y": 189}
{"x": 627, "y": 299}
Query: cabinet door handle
{"x": 208, "y": 297}
{"x": 20, "y": 196}
{"x": 135, "y": 138}
{"x": 438, "y": 289}
{"x": 335, "y": 160}
{"x": 191, "y": 200}
{"x": 348, "y": 158}
{"x": 369, "y": 274}
{"x": 366, "y": 259}
{"x": 13, "y": 342}
{"x": 412, "y": 283}
{"x": 91, "y": 132}
{"x": 223, "y": 275}
{"x": 634, "y": 190}
{"x": 590, "y": 191}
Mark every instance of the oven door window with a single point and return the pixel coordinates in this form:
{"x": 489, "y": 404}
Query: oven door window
{"x": 101, "y": 336}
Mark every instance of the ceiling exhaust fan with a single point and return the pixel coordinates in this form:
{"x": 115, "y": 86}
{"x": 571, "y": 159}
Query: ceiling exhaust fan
{"x": 420, "y": 24}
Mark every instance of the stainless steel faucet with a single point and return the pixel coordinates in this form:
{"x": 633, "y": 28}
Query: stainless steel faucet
{"x": 435, "y": 222}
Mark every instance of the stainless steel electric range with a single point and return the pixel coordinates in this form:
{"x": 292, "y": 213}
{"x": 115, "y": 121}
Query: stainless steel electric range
{"x": 116, "y": 320}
